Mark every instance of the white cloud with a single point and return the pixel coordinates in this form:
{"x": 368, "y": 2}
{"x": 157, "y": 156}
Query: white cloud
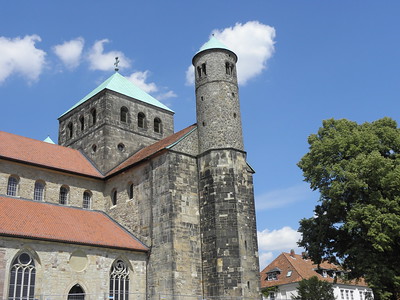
{"x": 190, "y": 75}
{"x": 166, "y": 95}
{"x": 283, "y": 197}
{"x": 70, "y": 52}
{"x": 282, "y": 239}
{"x": 139, "y": 79}
{"x": 20, "y": 56}
{"x": 265, "y": 258}
{"x": 253, "y": 42}
{"x": 99, "y": 60}
{"x": 272, "y": 243}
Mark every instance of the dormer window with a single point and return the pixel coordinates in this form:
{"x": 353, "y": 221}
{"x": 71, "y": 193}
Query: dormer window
{"x": 273, "y": 274}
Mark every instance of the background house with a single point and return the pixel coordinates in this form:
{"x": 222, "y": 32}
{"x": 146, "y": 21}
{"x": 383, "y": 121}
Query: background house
{"x": 283, "y": 274}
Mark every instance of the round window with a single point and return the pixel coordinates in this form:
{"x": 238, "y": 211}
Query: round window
{"x": 121, "y": 147}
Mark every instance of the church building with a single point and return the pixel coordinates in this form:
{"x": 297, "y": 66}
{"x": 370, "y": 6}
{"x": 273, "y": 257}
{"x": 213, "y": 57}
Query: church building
{"x": 124, "y": 207}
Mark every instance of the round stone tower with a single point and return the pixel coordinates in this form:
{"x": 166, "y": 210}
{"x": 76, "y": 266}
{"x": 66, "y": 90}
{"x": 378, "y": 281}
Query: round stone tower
{"x": 217, "y": 97}
{"x": 226, "y": 198}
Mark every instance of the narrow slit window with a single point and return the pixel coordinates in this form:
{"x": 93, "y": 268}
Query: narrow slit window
{"x": 130, "y": 191}
{"x": 114, "y": 195}
{"x": 70, "y": 130}
{"x": 82, "y": 122}
{"x": 93, "y": 113}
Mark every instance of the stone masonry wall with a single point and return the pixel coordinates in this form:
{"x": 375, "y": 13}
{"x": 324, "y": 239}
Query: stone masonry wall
{"x": 110, "y": 140}
{"x": 230, "y": 261}
{"x": 164, "y": 214}
{"x": 53, "y": 180}
{"x": 217, "y": 102}
{"x": 60, "y": 266}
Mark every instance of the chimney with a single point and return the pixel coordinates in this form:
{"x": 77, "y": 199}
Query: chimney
{"x": 292, "y": 253}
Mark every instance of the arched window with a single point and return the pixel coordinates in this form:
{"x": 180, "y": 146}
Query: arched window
{"x": 12, "y": 186}
{"x": 22, "y": 278}
{"x": 63, "y": 195}
{"x": 141, "y": 120}
{"x": 82, "y": 122}
{"x": 119, "y": 281}
{"x": 87, "y": 199}
{"x": 93, "y": 114}
{"x": 70, "y": 130}
{"x": 38, "y": 193}
{"x": 157, "y": 125}
{"x": 130, "y": 191}
{"x": 228, "y": 68}
{"x": 114, "y": 195}
{"x": 124, "y": 114}
{"x": 76, "y": 293}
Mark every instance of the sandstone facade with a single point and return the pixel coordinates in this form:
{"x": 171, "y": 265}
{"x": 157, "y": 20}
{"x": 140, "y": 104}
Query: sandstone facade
{"x": 187, "y": 196}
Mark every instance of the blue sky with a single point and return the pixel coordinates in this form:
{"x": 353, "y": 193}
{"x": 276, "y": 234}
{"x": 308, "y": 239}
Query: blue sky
{"x": 301, "y": 62}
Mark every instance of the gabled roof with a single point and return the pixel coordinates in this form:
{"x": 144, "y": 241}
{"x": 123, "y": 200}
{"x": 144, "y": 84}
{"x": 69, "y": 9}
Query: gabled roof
{"x": 43, "y": 154}
{"x": 122, "y": 85}
{"x": 157, "y": 147}
{"x": 301, "y": 269}
{"x": 52, "y": 222}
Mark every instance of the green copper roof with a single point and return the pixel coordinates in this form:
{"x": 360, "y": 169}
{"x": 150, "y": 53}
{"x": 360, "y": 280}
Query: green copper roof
{"x": 122, "y": 85}
{"x": 213, "y": 43}
{"x": 48, "y": 140}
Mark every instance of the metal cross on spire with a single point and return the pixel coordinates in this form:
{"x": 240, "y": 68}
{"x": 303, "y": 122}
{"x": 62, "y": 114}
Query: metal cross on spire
{"x": 116, "y": 64}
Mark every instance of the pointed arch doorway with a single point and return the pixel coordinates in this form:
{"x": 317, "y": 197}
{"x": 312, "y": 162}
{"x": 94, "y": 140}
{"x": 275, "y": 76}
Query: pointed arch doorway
{"x": 76, "y": 293}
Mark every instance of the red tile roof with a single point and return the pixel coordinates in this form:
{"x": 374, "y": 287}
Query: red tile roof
{"x": 26, "y": 150}
{"x": 301, "y": 269}
{"x": 45, "y": 221}
{"x": 40, "y": 153}
{"x": 152, "y": 149}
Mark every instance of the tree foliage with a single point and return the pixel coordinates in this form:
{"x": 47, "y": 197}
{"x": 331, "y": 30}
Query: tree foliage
{"x": 356, "y": 169}
{"x": 314, "y": 289}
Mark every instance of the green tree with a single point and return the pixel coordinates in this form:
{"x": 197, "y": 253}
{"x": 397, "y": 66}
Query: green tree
{"x": 356, "y": 169}
{"x": 314, "y": 289}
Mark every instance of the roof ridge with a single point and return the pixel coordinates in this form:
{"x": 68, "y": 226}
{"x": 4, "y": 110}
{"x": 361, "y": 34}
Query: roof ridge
{"x": 122, "y": 85}
{"x": 294, "y": 267}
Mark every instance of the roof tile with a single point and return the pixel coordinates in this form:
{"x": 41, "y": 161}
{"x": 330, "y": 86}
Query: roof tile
{"x": 153, "y": 149}
{"x": 38, "y": 220}
{"x": 301, "y": 269}
{"x": 40, "y": 153}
